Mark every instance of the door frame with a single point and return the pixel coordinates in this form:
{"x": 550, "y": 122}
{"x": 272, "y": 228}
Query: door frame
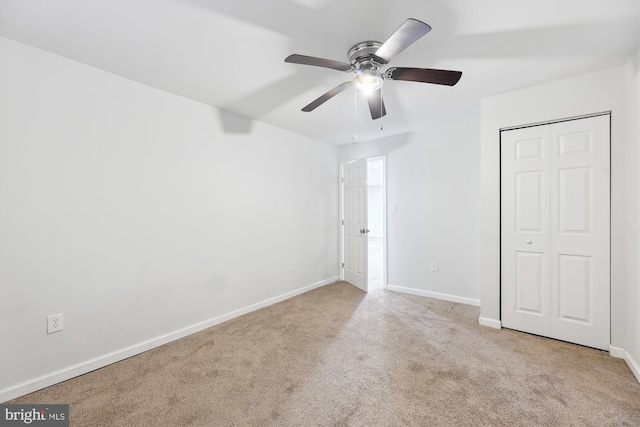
{"x": 384, "y": 217}
{"x": 566, "y": 119}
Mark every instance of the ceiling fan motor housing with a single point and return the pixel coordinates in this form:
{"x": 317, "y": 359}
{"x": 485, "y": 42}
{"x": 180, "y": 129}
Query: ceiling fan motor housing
{"x": 361, "y": 56}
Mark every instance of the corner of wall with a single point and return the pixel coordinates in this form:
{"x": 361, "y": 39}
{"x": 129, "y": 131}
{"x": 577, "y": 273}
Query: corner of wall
{"x": 491, "y": 323}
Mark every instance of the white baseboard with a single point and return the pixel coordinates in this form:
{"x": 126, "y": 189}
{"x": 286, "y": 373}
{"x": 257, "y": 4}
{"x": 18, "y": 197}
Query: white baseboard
{"x": 616, "y": 352}
{"x": 436, "y": 295}
{"x": 491, "y": 323}
{"x": 116, "y": 356}
{"x": 621, "y": 353}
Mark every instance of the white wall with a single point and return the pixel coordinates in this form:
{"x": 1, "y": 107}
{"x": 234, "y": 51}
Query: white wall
{"x": 130, "y": 210}
{"x": 375, "y": 197}
{"x": 433, "y": 178}
{"x": 631, "y": 341}
{"x": 590, "y": 93}
{"x": 375, "y": 203}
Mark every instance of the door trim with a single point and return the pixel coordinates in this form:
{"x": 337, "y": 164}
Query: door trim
{"x": 566, "y": 119}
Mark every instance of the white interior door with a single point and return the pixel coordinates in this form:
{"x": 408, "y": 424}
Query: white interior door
{"x": 355, "y": 223}
{"x": 525, "y": 230}
{"x": 555, "y": 230}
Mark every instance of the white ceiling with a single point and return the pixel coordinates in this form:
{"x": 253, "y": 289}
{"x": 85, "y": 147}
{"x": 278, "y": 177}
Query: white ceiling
{"x": 230, "y": 54}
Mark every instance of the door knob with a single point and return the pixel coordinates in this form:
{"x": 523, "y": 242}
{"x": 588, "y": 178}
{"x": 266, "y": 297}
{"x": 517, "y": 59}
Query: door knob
{"x": 528, "y": 242}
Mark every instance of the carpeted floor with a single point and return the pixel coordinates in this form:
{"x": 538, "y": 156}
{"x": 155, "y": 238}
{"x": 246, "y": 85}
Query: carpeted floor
{"x": 337, "y": 356}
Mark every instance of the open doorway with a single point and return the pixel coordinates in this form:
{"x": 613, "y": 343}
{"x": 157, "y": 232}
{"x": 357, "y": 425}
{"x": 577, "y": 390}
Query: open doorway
{"x": 376, "y": 221}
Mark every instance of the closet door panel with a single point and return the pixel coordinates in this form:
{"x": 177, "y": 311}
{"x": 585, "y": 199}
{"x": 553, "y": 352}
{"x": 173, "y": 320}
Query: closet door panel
{"x": 525, "y": 230}
{"x": 579, "y": 251}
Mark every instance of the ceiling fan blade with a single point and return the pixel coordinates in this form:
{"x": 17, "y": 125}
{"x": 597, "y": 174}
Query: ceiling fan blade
{"x": 408, "y": 33}
{"x": 319, "y": 62}
{"x": 424, "y": 75}
{"x": 376, "y": 104}
{"x": 327, "y": 96}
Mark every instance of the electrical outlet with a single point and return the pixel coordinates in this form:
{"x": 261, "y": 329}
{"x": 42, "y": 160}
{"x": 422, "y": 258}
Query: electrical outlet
{"x": 54, "y": 323}
{"x": 292, "y": 266}
{"x": 434, "y": 266}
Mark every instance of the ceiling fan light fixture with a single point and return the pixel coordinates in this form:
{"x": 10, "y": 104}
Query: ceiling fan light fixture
{"x": 368, "y": 57}
{"x": 368, "y": 83}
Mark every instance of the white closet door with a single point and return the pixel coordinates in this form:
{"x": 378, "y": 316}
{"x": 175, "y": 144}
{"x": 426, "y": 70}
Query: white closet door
{"x": 580, "y": 209}
{"x": 555, "y": 230}
{"x": 525, "y": 230}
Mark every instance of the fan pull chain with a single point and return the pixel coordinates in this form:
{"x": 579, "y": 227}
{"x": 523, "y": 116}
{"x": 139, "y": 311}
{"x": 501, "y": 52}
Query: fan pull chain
{"x": 381, "y": 113}
{"x": 355, "y": 113}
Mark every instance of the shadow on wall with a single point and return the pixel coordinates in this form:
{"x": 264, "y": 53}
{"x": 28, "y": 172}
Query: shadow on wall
{"x": 374, "y": 147}
{"x": 233, "y": 123}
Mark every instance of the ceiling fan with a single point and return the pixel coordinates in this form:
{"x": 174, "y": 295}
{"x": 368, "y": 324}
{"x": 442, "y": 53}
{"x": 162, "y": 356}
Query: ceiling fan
{"x": 368, "y": 57}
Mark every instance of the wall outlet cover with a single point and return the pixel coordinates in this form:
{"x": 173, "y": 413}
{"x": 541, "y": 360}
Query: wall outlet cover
{"x": 54, "y": 323}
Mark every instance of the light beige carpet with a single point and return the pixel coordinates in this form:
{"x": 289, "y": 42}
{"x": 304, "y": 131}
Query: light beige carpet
{"x": 337, "y": 356}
